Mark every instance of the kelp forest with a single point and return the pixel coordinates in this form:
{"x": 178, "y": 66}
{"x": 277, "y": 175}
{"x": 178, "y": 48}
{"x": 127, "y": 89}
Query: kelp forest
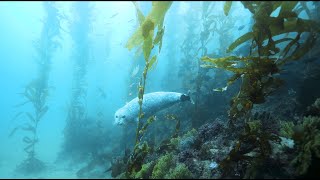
{"x": 160, "y": 89}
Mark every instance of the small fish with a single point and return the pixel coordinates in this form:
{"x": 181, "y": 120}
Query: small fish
{"x": 135, "y": 71}
{"x": 241, "y": 27}
{"x": 221, "y": 89}
{"x": 114, "y": 15}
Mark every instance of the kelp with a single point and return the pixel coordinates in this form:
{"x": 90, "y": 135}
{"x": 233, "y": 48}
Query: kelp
{"x": 169, "y": 144}
{"x": 251, "y": 151}
{"x": 257, "y": 80}
{"x": 134, "y": 162}
{"x": 144, "y": 38}
{"x": 266, "y": 58}
{"x": 37, "y": 91}
{"x": 76, "y": 115}
{"x": 206, "y": 35}
{"x": 189, "y": 53}
{"x": 227, "y": 7}
{"x": 155, "y": 17}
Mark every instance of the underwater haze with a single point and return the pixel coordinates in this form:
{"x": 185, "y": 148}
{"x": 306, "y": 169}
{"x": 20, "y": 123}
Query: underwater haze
{"x": 160, "y": 89}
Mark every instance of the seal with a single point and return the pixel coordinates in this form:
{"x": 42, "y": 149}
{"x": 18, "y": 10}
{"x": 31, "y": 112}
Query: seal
{"x": 152, "y": 103}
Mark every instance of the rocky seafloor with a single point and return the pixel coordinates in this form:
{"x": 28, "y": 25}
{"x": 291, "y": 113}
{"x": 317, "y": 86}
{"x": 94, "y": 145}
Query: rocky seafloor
{"x": 260, "y": 145}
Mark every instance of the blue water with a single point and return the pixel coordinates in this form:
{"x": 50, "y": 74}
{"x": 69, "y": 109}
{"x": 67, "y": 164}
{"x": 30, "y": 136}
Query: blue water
{"x": 109, "y": 66}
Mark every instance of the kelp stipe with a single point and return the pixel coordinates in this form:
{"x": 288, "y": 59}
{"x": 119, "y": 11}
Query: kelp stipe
{"x": 144, "y": 38}
{"x": 189, "y": 53}
{"x": 37, "y": 91}
{"x": 205, "y": 37}
{"x": 74, "y": 131}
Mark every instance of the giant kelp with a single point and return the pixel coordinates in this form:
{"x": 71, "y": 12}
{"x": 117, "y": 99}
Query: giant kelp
{"x": 37, "y": 91}
{"x": 205, "y": 37}
{"x": 171, "y": 67}
{"x": 144, "y": 38}
{"x": 212, "y": 25}
{"x": 135, "y": 67}
{"x": 257, "y": 71}
{"x": 141, "y": 162}
{"x": 189, "y": 53}
{"x": 77, "y": 117}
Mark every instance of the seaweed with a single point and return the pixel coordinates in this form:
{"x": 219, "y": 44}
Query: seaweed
{"x": 146, "y": 171}
{"x": 189, "y": 53}
{"x": 37, "y": 91}
{"x": 210, "y": 24}
{"x": 314, "y": 109}
{"x": 306, "y": 136}
{"x": 172, "y": 66}
{"x": 286, "y": 129}
{"x": 227, "y": 7}
{"x": 162, "y": 167}
{"x": 165, "y": 167}
{"x": 251, "y": 151}
{"x": 144, "y": 38}
{"x": 139, "y": 162}
{"x": 77, "y": 115}
{"x": 257, "y": 71}
{"x": 171, "y": 143}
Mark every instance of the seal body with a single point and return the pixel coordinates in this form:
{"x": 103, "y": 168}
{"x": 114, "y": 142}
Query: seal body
{"x": 152, "y": 103}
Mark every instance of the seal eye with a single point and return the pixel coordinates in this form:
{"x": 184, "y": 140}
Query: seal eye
{"x": 116, "y": 116}
{"x": 123, "y": 116}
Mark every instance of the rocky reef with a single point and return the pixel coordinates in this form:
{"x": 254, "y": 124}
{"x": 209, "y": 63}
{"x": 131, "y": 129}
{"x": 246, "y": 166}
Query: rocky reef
{"x": 261, "y": 146}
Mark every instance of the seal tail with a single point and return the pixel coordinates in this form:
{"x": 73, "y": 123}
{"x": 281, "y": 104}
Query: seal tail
{"x": 185, "y": 97}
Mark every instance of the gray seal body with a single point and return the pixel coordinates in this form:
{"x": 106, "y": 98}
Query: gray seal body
{"x": 152, "y": 103}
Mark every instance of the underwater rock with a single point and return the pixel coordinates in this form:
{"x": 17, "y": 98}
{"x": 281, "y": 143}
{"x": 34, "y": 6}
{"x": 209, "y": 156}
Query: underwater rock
{"x": 188, "y": 154}
{"x": 269, "y": 123}
{"x": 280, "y": 106}
{"x": 282, "y": 150}
{"x": 31, "y": 166}
{"x": 179, "y": 172}
{"x": 209, "y": 131}
{"x": 213, "y": 165}
{"x": 210, "y": 170}
{"x": 186, "y": 143}
{"x": 118, "y": 166}
{"x": 285, "y": 142}
{"x": 314, "y": 109}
